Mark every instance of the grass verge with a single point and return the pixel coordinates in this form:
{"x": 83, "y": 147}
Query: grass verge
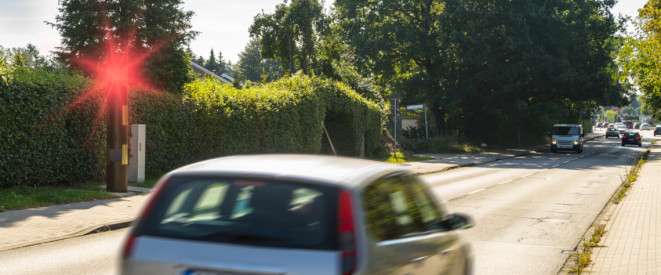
{"x": 399, "y": 158}
{"x": 23, "y": 197}
{"x": 630, "y": 177}
{"x": 150, "y": 180}
{"x": 584, "y": 251}
{"x": 441, "y": 144}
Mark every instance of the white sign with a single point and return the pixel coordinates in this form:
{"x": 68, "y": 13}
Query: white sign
{"x": 414, "y": 107}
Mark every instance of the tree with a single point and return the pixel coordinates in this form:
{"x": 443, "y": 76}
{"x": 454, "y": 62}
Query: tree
{"x": 251, "y": 66}
{"x": 643, "y": 58}
{"x": 522, "y": 64}
{"x": 26, "y": 57}
{"x": 211, "y": 63}
{"x": 290, "y": 34}
{"x": 157, "y": 26}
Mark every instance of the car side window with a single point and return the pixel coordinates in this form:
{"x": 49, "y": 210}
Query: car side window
{"x": 430, "y": 213}
{"x": 391, "y": 209}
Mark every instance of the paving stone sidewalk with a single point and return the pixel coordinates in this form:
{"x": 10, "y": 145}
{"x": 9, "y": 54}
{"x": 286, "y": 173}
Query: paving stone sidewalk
{"x": 632, "y": 240}
{"x": 20, "y": 228}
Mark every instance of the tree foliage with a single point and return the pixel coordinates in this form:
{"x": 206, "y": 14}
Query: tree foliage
{"x": 290, "y": 34}
{"x": 154, "y": 25}
{"x": 487, "y": 68}
{"x": 253, "y": 67}
{"x": 642, "y": 56}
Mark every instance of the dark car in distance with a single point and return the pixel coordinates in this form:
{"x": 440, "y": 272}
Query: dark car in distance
{"x": 612, "y": 132}
{"x": 632, "y": 138}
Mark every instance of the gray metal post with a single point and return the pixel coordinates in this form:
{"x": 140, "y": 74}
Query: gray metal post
{"x": 426, "y": 126}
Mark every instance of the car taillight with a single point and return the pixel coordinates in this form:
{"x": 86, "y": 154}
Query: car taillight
{"x": 346, "y": 233}
{"x": 129, "y": 242}
{"x": 637, "y": 137}
{"x": 624, "y": 136}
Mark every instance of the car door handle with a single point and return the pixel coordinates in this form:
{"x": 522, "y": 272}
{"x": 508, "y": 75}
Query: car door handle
{"x": 419, "y": 259}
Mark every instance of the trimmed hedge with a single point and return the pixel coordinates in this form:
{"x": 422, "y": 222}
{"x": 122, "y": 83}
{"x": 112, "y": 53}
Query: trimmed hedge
{"x": 43, "y": 142}
{"x": 285, "y": 116}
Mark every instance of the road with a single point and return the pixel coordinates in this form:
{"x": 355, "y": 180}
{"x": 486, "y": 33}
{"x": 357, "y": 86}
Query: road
{"x": 91, "y": 254}
{"x": 532, "y": 211}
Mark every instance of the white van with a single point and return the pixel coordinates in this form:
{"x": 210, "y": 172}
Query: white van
{"x": 567, "y": 137}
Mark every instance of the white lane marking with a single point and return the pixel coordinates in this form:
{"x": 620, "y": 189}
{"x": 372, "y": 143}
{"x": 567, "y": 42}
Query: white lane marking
{"x": 476, "y": 191}
{"x": 507, "y": 181}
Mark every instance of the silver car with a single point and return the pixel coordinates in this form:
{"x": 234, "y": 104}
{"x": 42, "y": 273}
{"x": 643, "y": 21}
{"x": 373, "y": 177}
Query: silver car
{"x": 294, "y": 214}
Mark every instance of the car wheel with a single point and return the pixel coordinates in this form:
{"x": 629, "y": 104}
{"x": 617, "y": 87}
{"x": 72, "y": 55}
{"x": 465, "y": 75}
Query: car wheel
{"x": 640, "y": 145}
{"x": 623, "y": 144}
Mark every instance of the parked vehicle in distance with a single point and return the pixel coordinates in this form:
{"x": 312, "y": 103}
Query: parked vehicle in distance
{"x": 645, "y": 126}
{"x": 629, "y": 124}
{"x": 621, "y": 128}
{"x": 632, "y": 138}
{"x": 567, "y": 137}
{"x": 657, "y": 130}
{"x": 612, "y": 132}
{"x": 294, "y": 214}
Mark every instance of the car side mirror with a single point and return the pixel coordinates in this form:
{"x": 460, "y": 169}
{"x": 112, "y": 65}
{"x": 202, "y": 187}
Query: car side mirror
{"x": 457, "y": 221}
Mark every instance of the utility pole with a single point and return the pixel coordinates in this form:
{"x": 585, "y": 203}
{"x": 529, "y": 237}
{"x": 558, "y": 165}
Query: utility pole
{"x": 117, "y": 125}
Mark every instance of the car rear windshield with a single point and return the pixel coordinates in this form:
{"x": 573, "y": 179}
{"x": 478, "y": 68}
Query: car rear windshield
{"x": 245, "y": 211}
{"x": 566, "y": 131}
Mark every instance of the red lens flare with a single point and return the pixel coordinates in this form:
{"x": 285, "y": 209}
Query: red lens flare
{"x": 119, "y": 69}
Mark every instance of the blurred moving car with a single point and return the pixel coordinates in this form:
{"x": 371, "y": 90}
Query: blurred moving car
{"x": 637, "y": 125}
{"x": 294, "y": 214}
{"x": 567, "y": 137}
{"x": 629, "y": 124}
{"x": 621, "y": 128}
{"x": 632, "y": 138}
{"x": 657, "y": 130}
{"x": 612, "y": 132}
{"x": 645, "y": 126}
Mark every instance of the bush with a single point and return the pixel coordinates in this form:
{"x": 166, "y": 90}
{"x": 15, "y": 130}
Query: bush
{"x": 41, "y": 140}
{"x": 286, "y": 116}
{"x": 452, "y": 143}
{"x": 46, "y": 140}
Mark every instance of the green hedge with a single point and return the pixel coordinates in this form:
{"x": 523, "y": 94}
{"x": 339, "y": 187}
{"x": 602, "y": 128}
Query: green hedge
{"x": 44, "y": 140}
{"x": 41, "y": 140}
{"x": 286, "y": 116}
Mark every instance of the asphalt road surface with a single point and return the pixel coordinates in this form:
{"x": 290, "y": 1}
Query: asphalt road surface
{"x": 91, "y": 254}
{"x": 532, "y": 211}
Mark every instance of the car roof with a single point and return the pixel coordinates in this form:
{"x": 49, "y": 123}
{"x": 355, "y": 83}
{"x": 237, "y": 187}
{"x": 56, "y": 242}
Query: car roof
{"x": 316, "y": 168}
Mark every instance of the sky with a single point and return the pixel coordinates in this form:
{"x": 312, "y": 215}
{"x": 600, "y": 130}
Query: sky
{"x": 223, "y": 24}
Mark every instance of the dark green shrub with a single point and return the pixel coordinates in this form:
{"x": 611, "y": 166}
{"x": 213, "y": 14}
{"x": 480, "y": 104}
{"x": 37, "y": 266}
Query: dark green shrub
{"x": 47, "y": 140}
{"x": 41, "y": 140}
{"x": 285, "y": 116}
